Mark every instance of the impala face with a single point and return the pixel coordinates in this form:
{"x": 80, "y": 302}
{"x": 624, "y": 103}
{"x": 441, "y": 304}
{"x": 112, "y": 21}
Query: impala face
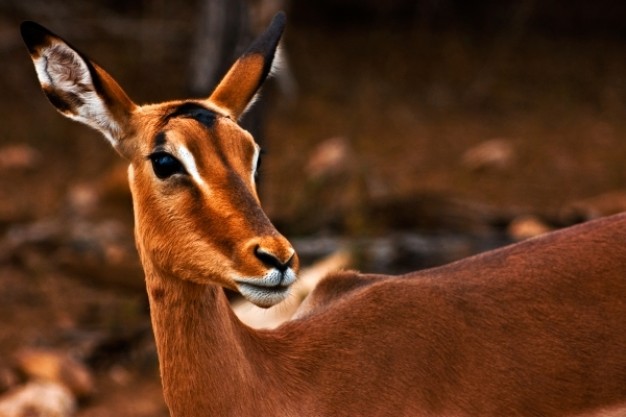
{"x": 193, "y": 183}
{"x": 192, "y": 167}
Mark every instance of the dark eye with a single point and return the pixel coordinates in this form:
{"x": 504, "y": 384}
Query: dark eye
{"x": 165, "y": 165}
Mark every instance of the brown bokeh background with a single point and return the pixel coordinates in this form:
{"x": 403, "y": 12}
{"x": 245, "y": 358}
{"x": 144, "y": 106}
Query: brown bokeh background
{"x": 429, "y": 118}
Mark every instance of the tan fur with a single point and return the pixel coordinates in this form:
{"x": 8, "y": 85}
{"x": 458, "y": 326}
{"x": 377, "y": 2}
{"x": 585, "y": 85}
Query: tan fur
{"x": 534, "y": 329}
{"x": 234, "y": 92}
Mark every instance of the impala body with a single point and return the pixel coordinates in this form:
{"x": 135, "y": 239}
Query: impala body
{"x": 534, "y": 329}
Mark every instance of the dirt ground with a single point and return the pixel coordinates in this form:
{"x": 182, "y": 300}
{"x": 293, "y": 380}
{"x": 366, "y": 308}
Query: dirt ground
{"x": 435, "y": 123}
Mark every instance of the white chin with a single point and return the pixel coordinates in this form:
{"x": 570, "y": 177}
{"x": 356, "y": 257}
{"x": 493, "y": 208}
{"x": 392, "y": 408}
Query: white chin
{"x": 268, "y": 290}
{"x": 263, "y": 296}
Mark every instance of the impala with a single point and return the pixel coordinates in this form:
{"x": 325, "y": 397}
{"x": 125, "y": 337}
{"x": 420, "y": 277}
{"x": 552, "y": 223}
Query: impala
{"x": 534, "y": 329}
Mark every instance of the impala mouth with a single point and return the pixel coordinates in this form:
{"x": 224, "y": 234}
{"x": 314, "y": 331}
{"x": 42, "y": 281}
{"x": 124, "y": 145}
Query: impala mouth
{"x": 268, "y": 290}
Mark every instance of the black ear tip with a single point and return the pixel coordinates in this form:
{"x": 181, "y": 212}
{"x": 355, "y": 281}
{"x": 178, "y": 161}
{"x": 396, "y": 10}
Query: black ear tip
{"x": 266, "y": 43}
{"x": 279, "y": 19}
{"x": 34, "y": 34}
{"x": 28, "y": 25}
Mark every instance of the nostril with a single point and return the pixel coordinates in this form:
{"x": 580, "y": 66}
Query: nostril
{"x": 271, "y": 260}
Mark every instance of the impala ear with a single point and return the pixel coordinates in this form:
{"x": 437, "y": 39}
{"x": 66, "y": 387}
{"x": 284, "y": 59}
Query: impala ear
{"x": 237, "y": 89}
{"x": 77, "y": 87}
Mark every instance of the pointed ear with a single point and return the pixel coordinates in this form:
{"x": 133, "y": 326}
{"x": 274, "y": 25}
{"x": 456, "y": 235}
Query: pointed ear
{"x": 237, "y": 89}
{"x": 77, "y": 87}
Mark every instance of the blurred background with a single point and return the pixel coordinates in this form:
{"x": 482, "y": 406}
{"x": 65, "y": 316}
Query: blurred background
{"x": 413, "y": 132}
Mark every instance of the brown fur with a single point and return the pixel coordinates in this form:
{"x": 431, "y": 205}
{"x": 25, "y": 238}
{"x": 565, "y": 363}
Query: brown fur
{"x": 534, "y": 329}
{"x": 234, "y": 94}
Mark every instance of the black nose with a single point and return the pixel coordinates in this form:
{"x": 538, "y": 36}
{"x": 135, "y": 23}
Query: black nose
{"x": 271, "y": 260}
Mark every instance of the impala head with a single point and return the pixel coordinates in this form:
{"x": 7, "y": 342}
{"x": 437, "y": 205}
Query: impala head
{"x": 192, "y": 167}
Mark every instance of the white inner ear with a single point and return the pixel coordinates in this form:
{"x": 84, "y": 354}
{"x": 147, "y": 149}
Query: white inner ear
{"x": 63, "y": 70}
{"x": 278, "y": 63}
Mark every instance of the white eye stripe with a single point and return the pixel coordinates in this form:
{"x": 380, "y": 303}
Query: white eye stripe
{"x": 189, "y": 162}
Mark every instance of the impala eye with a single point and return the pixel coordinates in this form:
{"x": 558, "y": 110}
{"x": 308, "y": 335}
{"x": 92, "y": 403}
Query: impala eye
{"x": 165, "y": 165}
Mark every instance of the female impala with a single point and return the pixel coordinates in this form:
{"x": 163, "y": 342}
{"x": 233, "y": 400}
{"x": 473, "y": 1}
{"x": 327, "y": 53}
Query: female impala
{"x": 535, "y": 329}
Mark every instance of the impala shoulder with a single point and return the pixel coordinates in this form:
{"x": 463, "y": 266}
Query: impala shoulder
{"x": 336, "y": 287}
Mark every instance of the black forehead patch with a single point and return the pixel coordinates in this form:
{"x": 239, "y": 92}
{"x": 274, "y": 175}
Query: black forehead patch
{"x": 160, "y": 139}
{"x": 195, "y": 111}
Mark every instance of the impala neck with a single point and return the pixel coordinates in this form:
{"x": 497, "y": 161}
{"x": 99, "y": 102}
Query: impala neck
{"x": 207, "y": 360}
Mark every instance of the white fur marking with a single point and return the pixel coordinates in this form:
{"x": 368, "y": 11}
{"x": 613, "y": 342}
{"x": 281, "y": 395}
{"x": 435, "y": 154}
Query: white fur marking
{"x": 187, "y": 159}
{"x": 60, "y": 68}
{"x": 278, "y": 63}
{"x": 268, "y": 290}
{"x": 255, "y": 162}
